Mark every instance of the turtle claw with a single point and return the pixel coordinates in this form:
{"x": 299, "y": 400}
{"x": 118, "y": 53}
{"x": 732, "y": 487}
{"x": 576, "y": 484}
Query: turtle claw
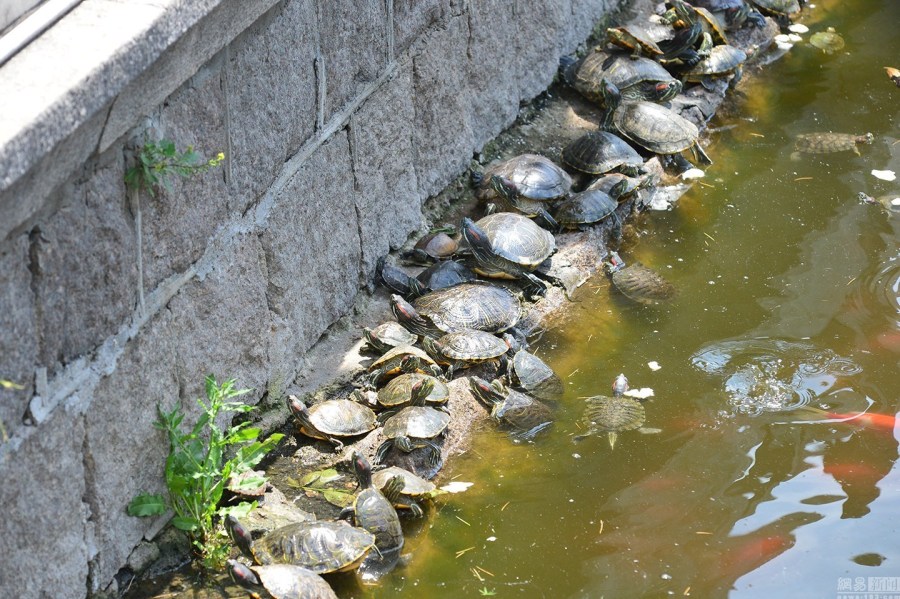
{"x": 416, "y": 510}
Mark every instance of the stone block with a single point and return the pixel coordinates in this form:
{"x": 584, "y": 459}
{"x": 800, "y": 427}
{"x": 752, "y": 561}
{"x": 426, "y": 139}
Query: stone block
{"x": 176, "y": 224}
{"x": 412, "y": 18}
{"x": 312, "y": 249}
{"x": 271, "y": 87}
{"x": 354, "y": 47}
{"x": 494, "y": 70}
{"x": 44, "y": 531}
{"x": 541, "y": 25}
{"x": 443, "y": 135}
{"x": 84, "y": 264}
{"x": 18, "y": 321}
{"x": 388, "y": 202}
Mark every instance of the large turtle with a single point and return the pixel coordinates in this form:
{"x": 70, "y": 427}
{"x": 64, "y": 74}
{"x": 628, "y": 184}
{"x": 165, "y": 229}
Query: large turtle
{"x": 331, "y": 419}
{"x": 322, "y": 546}
{"x": 509, "y": 246}
{"x": 586, "y": 208}
{"x": 414, "y": 427}
{"x": 612, "y": 415}
{"x": 530, "y": 373}
{"x": 637, "y": 282}
{"x": 414, "y": 489}
{"x": 462, "y": 349}
{"x": 525, "y": 415}
{"x": 525, "y": 183}
{"x": 828, "y": 142}
{"x": 598, "y": 152}
{"x": 281, "y": 581}
{"x": 637, "y": 78}
{"x": 398, "y": 393}
{"x": 722, "y": 61}
{"x": 372, "y": 511}
{"x": 466, "y": 306}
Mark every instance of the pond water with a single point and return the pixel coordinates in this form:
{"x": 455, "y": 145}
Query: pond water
{"x": 789, "y": 297}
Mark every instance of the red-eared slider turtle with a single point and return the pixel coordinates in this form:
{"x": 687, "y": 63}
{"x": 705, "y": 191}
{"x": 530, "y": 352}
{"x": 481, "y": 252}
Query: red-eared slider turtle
{"x": 826, "y": 143}
{"x": 530, "y": 373}
{"x": 437, "y": 245}
{"x": 446, "y": 273}
{"x": 414, "y": 427}
{"x": 780, "y": 9}
{"x": 586, "y": 208}
{"x": 403, "y": 358}
{"x": 637, "y": 78}
{"x": 414, "y": 489}
{"x": 637, "y": 282}
{"x": 331, "y": 419}
{"x": 599, "y": 152}
{"x": 828, "y": 41}
{"x": 524, "y": 183}
{"x": 710, "y": 23}
{"x": 525, "y": 415}
{"x": 398, "y": 392}
{"x": 387, "y": 336}
{"x": 651, "y": 126}
{"x": 393, "y": 278}
{"x": 372, "y": 511}
{"x": 613, "y": 182}
{"x": 281, "y": 581}
{"x": 509, "y": 246}
{"x": 734, "y": 12}
{"x": 661, "y": 43}
{"x": 322, "y": 547}
{"x": 466, "y": 306}
{"x": 464, "y": 348}
{"x": 722, "y": 61}
{"x": 612, "y": 415}
{"x": 890, "y": 202}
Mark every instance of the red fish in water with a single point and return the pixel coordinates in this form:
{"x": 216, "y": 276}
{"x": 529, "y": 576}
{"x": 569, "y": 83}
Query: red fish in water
{"x": 883, "y": 422}
{"x": 854, "y": 472}
{"x": 752, "y": 552}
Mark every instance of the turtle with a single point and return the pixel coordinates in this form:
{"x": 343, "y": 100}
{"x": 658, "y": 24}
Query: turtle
{"x": 467, "y": 306}
{"x": 637, "y": 78}
{"x": 723, "y": 60}
{"x": 531, "y": 374}
{"x": 524, "y": 414}
{"x": 525, "y": 183}
{"x": 734, "y": 12}
{"x": 586, "y": 208}
{"x": 613, "y": 182}
{"x": 414, "y": 427}
{"x": 598, "y": 152}
{"x": 441, "y": 275}
{"x": 890, "y": 202}
{"x": 637, "y": 282}
{"x": 509, "y": 246}
{"x": 321, "y": 546}
{"x": 826, "y": 143}
{"x": 612, "y": 415}
{"x": 331, "y": 419}
{"x": 661, "y": 42}
{"x": 414, "y": 489}
{"x": 403, "y": 358}
{"x": 393, "y": 278}
{"x": 708, "y": 21}
{"x": 464, "y": 348}
{"x": 635, "y": 40}
{"x": 388, "y": 335}
{"x": 650, "y": 125}
{"x": 436, "y": 245}
{"x": 781, "y": 10}
{"x": 828, "y": 41}
{"x": 372, "y": 511}
{"x": 398, "y": 392}
{"x": 281, "y": 581}
{"x": 893, "y": 74}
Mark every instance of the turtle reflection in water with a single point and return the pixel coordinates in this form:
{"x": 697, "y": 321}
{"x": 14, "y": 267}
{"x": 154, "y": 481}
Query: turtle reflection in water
{"x": 829, "y": 143}
{"x": 612, "y": 415}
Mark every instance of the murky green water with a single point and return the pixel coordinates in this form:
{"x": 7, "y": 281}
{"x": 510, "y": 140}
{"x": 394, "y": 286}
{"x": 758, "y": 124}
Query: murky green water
{"x": 721, "y": 502}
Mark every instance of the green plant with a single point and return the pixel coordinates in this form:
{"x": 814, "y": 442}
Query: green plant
{"x": 486, "y": 592}
{"x": 10, "y": 385}
{"x": 196, "y": 471}
{"x": 158, "y": 161}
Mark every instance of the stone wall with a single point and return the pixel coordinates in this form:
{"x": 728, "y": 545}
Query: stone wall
{"x": 339, "y": 118}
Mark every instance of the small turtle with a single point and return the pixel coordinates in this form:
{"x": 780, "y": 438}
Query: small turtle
{"x": 322, "y": 546}
{"x": 413, "y": 490}
{"x": 734, "y": 12}
{"x": 387, "y": 336}
{"x": 464, "y": 348}
{"x": 612, "y": 415}
{"x": 524, "y": 183}
{"x": 637, "y": 282}
{"x": 436, "y": 245}
{"x": 659, "y": 41}
{"x": 828, "y": 41}
{"x": 372, "y": 511}
{"x": 637, "y": 78}
{"x": 586, "y": 208}
{"x": 826, "y": 143}
{"x": 710, "y": 23}
{"x": 403, "y": 358}
{"x": 281, "y": 581}
{"x": 393, "y": 278}
{"x": 598, "y": 152}
{"x": 890, "y": 202}
{"x": 466, "y": 306}
{"x": 414, "y": 427}
{"x": 333, "y": 418}
{"x": 721, "y": 62}
{"x": 398, "y": 392}
{"x": 446, "y": 273}
{"x": 530, "y": 373}
{"x": 781, "y": 10}
{"x": 612, "y": 183}
{"x": 525, "y": 415}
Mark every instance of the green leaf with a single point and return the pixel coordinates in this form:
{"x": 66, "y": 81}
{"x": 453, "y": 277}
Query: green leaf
{"x": 338, "y": 497}
{"x": 250, "y": 455}
{"x": 242, "y": 435}
{"x": 238, "y": 511}
{"x": 185, "y": 523}
{"x": 249, "y": 483}
{"x": 319, "y": 478}
{"x": 147, "y": 505}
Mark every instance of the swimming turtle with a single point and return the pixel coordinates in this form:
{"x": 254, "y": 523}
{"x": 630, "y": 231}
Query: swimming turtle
{"x": 436, "y": 245}
{"x": 445, "y": 273}
{"x": 637, "y": 78}
{"x": 722, "y": 61}
{"x": 524, "y": 414}
{"x": 524, "y": 183}
{"x": 612, "y": 415}
{"x": 281, "y": 581}
{"x": 509, "y": 246}
{"x": 372, "y": 511}
{"x": 321, "y": 546}
{"x": 414, "y": 489}
{"x": 828, "y": 41}
{"x": 532, "y": 374}
{"x": 464, "y": 348}
{"x": 414, "y": 427}
{"x": 890, "y": 202}
{"x": 586, "y": 208}
{"x": 826, "y": 143}
{"x": 388, "y": 335}
{"x": 403, "y": 358}
{"x": 398, "y": 392}
{"x": 466, "y": 306}
{"x": 651, "y": 126}
{"x": 637, "y": 282}
{"x": 598, "y": 152}
{"x": 331, "y": 419}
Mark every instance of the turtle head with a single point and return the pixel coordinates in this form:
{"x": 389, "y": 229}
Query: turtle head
{"x": 298, "y": 409}
{"x": 242, "y": 574}
{"x": 684, "y": 11}
{"x": 868, "y": 138}
{"x": 420, "y": 391}
{"x": 620, "y": 385}
{"x": 402, "y": 309}
{"x": 239, "y": 534}
{"x": 410, "y": 364}
{"x": 611, "y": 98}
{"x": 664, "y": 91}
{"x": 476, "y": 237}
{"x": 504, "y": 187}
{"x": 615, "y": 263}
{"x": 362, "y": 470}
{"x": 484, "y": 391}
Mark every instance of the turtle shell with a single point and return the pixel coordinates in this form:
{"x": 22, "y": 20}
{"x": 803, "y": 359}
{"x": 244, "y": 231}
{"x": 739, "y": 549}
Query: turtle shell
{"x": 825, "y": 143}
{"x": 288, "y": 581}
{"x": 471, "y": 306}
{"x": 589, "y": 206}
{"x": 388, "y": 335}
{"x": 322, "y": 547}
{"x": 643, "y": 285}
{"x": 721, "y": 60}
{"x": 413, "y": 486}
{"x": 471, "y": 345}
{"x": 536, "y": 177}
{"x": 614, "y": 414}
{"x": 373, "y": 512}
{"x": 610, "y": 180}
{"x": 622, "y": 70}
{"x": 420, "y": 422}
{"x": 598, "y": 152}
{"x": 342, "y": 418}
{"x": 517, "y": 239}
{"x": 718, "y": 5}
{"x": 655, "y": 127}
{"x": 397, "y": 392}
{"x": 521, "y": 411}
{"x": 634, "y": 39}
{"x": 778, "y": 7}
{"x": 392, "y": 359}
{"x": 534, "y": 376}
{"x": 445, "y": 274}
{"x": 438, "y": 245}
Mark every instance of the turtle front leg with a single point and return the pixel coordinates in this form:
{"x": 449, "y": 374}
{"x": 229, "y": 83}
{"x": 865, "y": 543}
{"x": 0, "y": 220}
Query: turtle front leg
{"x": 416, "y": 509}
{"x": 546, "y": 221}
